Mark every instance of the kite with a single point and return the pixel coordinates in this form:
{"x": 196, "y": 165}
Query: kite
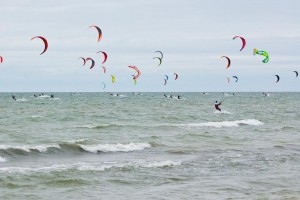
{"x": 105, "y": 56}
{"x": 228, "y": 79}
{"x": 84, "y": 61}
{"x": 262, "y": 53}
{"x": 296, "y": 73}
{"x": 160, "y": 60}
{"x": 243, "y": 41}
{"x": 166, "y": 82}
{"x": 176, "y": 76}
{"x": 45, "y": 43}
{"x": 162, "y": 55}
{"x": 113, "y": 79}
{"x": 278, "y": 78}
{"x": 93, "y": 62}
{"x": 137, "y": 70}
{"x": 99, "y": 32}
{"x": 228, "y": 64}
{"x": 104, "y": 69}
{"x": 235, "y": 78}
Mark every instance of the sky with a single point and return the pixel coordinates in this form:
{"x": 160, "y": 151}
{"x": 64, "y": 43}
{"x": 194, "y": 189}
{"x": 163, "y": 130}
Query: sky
{"x": 192, "y": 34}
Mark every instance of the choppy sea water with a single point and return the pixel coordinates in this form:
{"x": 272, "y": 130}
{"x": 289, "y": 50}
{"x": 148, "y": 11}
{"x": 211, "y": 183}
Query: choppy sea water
{"x": 98, "y": 146}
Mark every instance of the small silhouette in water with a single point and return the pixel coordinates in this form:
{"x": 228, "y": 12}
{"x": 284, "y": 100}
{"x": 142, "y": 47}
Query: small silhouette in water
{"x": 14, "y": 98}
{"x": 52, "y": 96}
{"x": 179, "y": 97}
{"x": 217, "y": 105}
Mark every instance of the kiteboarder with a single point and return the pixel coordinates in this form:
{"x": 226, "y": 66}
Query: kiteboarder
{"x": 217, "y": 105}
{"x": 14, "y": 98}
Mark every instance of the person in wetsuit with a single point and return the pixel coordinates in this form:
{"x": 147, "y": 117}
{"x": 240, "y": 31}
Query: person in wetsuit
{"x": 14, "y": 98}
{"x": 217, "y": 106}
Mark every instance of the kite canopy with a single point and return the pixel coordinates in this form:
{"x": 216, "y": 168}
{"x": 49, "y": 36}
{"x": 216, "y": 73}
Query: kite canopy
{"x": 165, "y": 82}
{"x": 99, "y": 32}
{"x": 236, "y": 78}
{"x": 176, "y": 76}
{"x": 228, "y": 61}
{"x": 162, "y": 55}
{"x": 137, "y": 70}
{"x": 278, "y": 78}
{"x": 104, "y": 69}
{"x": 93, "y": 62}
{"x": 1, "y": 59}
{"x": 45, "y": 43}
{"x": 84, "y": 61}
{"x": 113, "y": 79}
{"x": 296, "y": 73}
{"x": 160, "y": 60}
{"x": 228, "y": 79}
{"x": 262, "y": 53}
{"x": 105, "y": 56}
{"x": 243, "y": 41}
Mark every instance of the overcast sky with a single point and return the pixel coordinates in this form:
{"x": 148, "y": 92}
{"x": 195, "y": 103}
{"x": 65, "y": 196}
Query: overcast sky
{"x": 192, "y": 34}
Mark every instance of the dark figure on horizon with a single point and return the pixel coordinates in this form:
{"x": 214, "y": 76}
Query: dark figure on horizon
{"x": 52, "y": 96}
{"x": 14, "y": 98}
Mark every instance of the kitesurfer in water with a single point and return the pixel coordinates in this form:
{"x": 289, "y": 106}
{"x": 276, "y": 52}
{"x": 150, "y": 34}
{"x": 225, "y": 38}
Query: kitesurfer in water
{"x": 14, "y": 98}
{"x": 217, "y": 105}
{"x": 179, "y": 97}
{"x": 52, "y": 96}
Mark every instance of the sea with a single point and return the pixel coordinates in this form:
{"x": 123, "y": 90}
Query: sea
{"x": 148, "y": 146}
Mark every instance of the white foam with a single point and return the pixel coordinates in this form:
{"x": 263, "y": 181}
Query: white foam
{"x": 21, "y": 99}
{"x": 236, "y": 123}
{"x": 2, "y": 159}
{"x": 37, "y": 116}
{"x": 160, "y": 164}
{"x": 89, "y": 167}
{"x": 44, "y": 96}
{"x": 115, "y": 147}
{"x": 222, "y": 112}
{"x": 29, "y": 148}
{"x": 77, "y": 141}
{"x": 92, "y": 126}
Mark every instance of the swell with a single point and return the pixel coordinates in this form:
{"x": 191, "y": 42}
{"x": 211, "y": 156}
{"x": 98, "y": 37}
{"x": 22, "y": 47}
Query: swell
{"x": 69, "y": 147}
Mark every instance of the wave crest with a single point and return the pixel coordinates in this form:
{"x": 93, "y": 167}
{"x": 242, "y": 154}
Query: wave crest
{"x": 253, "y": 122}
{"x": 2, "y": 159}
{"x": 74, "y": 146}
{"x": 90, "y": 167}
{"x": 115, "y": 147}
